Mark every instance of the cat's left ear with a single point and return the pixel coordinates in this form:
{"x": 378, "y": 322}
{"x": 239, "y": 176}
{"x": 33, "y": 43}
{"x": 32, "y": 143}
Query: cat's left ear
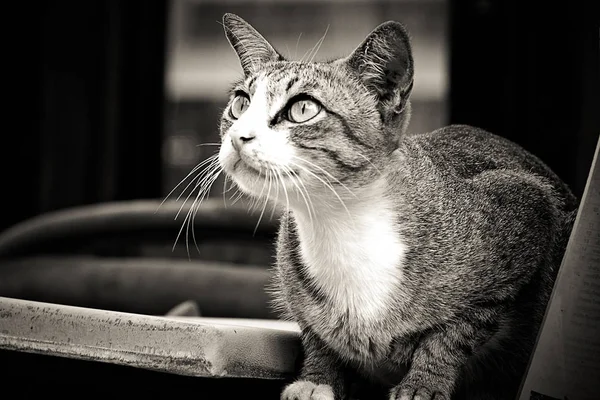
{"x": 251, "y": 47}
{"x": 384, "y": 63}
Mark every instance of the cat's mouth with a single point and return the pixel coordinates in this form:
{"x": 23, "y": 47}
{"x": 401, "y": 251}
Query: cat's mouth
{"x": 262, "y": 172}
{"x": 240, "y": 165}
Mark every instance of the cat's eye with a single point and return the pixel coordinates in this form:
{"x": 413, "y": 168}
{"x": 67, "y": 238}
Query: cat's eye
{"x": 239, "y": 105}
{"x": 303, "y": 110}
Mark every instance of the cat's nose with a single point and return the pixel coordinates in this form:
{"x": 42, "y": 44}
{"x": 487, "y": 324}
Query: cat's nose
{"x": 238, "y": 140}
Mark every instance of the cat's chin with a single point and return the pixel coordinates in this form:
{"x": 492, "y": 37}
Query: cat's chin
{"x": 259, "y": 185}
{"x": 246, "y": 177}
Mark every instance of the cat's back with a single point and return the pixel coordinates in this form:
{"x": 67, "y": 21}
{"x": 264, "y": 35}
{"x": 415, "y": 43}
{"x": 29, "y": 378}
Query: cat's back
{"x": 463, "y": 152}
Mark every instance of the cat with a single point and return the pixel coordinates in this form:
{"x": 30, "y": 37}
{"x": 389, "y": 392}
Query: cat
{"x": 417, "y": 266}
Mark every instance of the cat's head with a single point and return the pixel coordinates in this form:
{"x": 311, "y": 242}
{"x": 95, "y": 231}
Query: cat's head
{"x": 321, "y": 128}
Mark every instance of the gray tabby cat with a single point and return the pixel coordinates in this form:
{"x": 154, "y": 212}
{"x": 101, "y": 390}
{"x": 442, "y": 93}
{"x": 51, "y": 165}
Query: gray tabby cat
{"x": 419, "y": 265}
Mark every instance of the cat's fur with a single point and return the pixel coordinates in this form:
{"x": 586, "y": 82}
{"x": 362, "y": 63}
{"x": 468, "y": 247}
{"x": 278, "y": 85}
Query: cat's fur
{"x": 421, "y": 264}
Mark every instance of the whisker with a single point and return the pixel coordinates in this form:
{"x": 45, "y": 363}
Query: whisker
{"x": 369, "y": 161}
{"x": 277, "y": 183}
{"x": 254, "y": 200}
{"x": 210, "y": 174}
{"x": 309, "y": 206}
{"x": 196, "y": 168}
{"x": 198, "y": 180}
{"x": 238, "y": 195}
{"x": 177, "y": 237}
{"x": 207, "y": 182}
{"x": 287, "y": 200}
{"x": 320, "y": 44}
{"x": 328, "y": 185}
{"x": 309, "y": 51}
{"x": 208, "y": 161}
{"x": 201, "y": 173}
{"x": 297, "y": 42}
{"x": 326, "y": 173}
{"x": 196, "y": 205}
{"x": 225, "y": 179}
{"x": 288, "y": 51}
{"x": 266, "y": 201}
{"x": 208, "y": 144}
{"x": 204, "y": 185}
{"x": 206, "y": 172}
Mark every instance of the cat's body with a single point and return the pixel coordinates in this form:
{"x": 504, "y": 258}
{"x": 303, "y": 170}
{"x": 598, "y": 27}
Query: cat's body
{"x": 422, "y": 263}
{"x": 454, "y": 263}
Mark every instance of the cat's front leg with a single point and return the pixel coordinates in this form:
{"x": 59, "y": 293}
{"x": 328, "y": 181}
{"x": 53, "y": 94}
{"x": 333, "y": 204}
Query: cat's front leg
{"x": 438, "y": 361}
{"x": 321, "y": 376}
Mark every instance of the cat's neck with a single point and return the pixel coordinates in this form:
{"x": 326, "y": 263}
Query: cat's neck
{"x": 354, "y": 253}
{"x": 345, "y": 208}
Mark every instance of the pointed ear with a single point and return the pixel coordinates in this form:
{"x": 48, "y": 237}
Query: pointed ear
{"x": 252, "y": 49}
{"x": 384, "y": 63}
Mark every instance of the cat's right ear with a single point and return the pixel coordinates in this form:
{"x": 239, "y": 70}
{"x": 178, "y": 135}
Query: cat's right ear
{"x": 384, "y": 63}
{"x": 252, "y": 48}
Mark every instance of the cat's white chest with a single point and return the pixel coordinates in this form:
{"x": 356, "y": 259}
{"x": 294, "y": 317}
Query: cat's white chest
{"x": 357, "y": 263}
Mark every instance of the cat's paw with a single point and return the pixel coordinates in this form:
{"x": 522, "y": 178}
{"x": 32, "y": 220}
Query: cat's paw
{"x": 306, "y": 390}
{"x": 419, "y": 389}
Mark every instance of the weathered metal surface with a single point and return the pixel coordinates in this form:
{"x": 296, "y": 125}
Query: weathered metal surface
{"x": 194, "y": 348}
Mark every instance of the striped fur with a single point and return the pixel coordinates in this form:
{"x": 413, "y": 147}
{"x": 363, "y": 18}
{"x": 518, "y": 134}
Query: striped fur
{"x": 417, "y": 266}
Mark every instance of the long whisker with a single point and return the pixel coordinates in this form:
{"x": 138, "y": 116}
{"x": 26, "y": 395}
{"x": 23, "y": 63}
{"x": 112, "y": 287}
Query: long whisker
{"x": 198, "y": 181}
{"x": 277, "y": 184}
{"x": 196, "y": 168}
{"x": 208, "y": 181}
{"x": 208, "y": 144}
{"x": 288, "y": 51}
{"x": 255, "y": 201}
{"x": 301, "y": 190}
{"x": 197, "y": 203}
{"x": 204, "y": 174}
{"x": 211, "y": 161}
{"x": 326, "y": 184}
{"x": 309, "y": 51}
{"x": 320, "y": 44}
{"x": 287, "y": 199}
{"x": 210, "y": 174}
{"x": 297, "y": 42}
{"x": 266, "y": 201}
{"x": 204, "y": 185}
{"x": 208, "y": 161}
{"x": 326, "y": 173}
{"x": 225, "y": 190}
{"x": 369, "y": 161}
{"x": 235, "y": 197}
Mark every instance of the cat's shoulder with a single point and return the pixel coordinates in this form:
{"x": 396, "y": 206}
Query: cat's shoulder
{"x": 462, "y": 152}
{"x": 467, "y": 151}
{"x": 460, "y": 136}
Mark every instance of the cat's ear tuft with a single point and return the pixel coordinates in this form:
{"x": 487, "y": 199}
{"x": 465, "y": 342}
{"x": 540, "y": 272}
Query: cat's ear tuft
{"x": 384, "y": 63}
{"x": 252, "y": 48}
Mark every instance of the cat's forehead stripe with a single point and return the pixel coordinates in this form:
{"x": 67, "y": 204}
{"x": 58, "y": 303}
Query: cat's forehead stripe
{"x": 290, "y": 83}
{"x": 252, "y": 85}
